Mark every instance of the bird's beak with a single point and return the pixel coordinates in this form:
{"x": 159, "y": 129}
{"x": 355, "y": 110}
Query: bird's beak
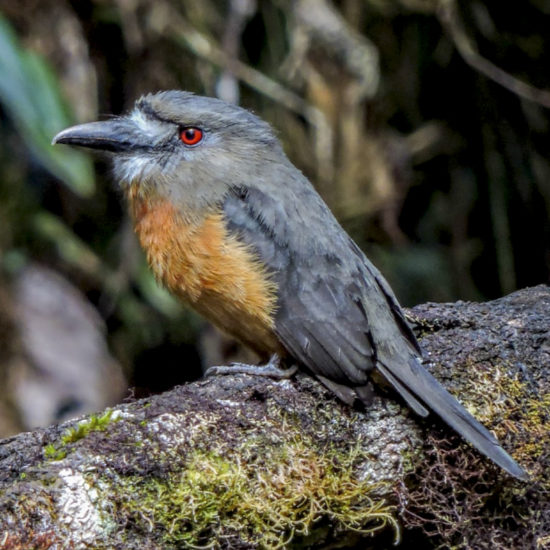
{"x": 116, "y": 136}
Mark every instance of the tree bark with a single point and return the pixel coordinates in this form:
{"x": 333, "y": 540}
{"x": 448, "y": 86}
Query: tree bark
{"x": 246, "y": 462}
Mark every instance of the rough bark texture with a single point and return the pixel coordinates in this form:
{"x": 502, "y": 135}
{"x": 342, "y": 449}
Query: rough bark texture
{"x": 245, "y": 462}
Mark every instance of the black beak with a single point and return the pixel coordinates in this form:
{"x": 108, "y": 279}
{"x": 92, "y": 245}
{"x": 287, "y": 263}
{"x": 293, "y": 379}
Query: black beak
{"x": 115, "y": 136}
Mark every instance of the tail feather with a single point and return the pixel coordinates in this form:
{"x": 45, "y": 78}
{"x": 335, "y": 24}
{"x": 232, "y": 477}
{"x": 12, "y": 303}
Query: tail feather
{"x": 418, "y": 387}
{"x": 411, "y": 400}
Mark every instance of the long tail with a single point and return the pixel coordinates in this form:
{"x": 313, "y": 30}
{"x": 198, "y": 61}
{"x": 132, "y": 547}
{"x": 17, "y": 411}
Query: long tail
{"x": 418, "y": 387}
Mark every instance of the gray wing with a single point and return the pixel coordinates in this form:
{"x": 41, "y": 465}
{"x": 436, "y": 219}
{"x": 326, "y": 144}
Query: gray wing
{"x": 335, "y": 313}
{"x": 321, "y": 319}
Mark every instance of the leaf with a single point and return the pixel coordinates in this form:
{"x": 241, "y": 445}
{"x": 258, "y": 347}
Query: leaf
{"x": 31, "y": 96}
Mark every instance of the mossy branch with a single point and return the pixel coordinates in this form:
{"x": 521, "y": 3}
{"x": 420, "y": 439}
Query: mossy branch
{"x": 246, "y": 462}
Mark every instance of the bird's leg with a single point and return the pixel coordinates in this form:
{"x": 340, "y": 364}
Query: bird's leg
{"x": 272, "y": 369}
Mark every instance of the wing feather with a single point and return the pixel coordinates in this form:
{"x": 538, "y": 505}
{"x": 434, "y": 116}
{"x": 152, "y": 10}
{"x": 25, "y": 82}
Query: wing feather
{"x": 318, "y": 320}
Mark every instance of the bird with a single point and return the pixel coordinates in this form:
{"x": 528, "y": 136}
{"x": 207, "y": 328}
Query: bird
{"x": 231, "y": 227}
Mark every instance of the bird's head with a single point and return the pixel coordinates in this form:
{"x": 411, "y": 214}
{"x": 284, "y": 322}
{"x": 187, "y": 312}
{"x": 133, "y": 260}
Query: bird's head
{"x": 187, "y": 147}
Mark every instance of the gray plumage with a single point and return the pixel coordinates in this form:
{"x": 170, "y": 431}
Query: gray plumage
{"x": 336, "y": 315}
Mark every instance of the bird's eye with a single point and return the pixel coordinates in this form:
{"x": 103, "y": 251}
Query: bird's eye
{"x": 191, "y": 135}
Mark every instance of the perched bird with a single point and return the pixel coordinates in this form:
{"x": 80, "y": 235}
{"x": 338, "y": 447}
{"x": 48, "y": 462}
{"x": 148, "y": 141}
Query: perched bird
{"x": 233, "y": 228}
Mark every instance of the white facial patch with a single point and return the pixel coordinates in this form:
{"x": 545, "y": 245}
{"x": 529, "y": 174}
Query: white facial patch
{"x": 143, "y": 167}
{"x": 132, "y": 168}
{"x": 155, "y": 130}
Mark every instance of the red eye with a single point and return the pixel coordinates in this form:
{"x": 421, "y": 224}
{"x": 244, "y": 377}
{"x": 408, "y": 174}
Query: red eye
{"x": 191, "y": 135}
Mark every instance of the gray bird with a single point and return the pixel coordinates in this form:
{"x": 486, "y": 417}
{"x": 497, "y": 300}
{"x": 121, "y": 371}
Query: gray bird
{"x": 234, "y": 229}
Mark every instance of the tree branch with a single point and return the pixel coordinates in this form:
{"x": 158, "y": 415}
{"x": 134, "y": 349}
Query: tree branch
{"x": 245, "y": 462}
{"x": 448, "y": 15}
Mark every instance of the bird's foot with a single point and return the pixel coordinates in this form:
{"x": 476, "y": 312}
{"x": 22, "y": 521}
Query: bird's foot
{"x": 271, "y": 369}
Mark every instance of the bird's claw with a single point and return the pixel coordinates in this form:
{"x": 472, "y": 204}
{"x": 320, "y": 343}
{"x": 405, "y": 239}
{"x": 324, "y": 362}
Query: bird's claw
{"x": 271, "y": 369}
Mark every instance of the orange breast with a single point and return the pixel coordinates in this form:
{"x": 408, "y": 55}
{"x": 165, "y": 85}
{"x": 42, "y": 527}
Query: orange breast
{"x": 210, "y": 269}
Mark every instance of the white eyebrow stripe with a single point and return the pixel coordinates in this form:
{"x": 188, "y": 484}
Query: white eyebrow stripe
{"x": 148, "y": 124}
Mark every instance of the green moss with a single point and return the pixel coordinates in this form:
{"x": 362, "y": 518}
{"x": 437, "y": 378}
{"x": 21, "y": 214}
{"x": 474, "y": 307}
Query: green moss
{"x": 91, "y": 424}
{"x": 519, "y": 414}
{"x": 82, "y": 429}
{"x": 264, "y": 494}
{"x": 411, "y": 458}
{"x": 53, "y": 453}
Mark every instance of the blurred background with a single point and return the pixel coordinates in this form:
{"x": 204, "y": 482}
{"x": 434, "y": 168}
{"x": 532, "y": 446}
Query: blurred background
{"x": 423, "y": 123}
